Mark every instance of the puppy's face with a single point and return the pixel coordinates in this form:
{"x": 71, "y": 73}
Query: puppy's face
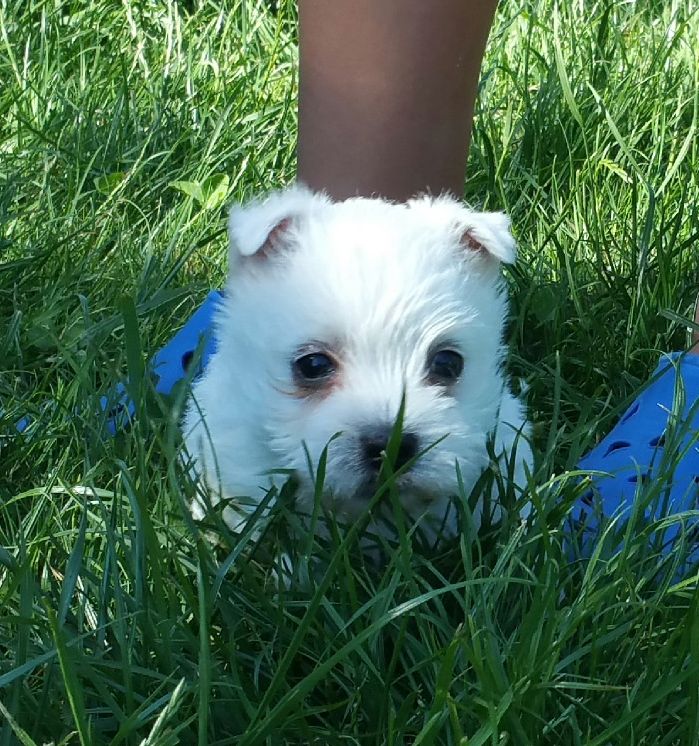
{"x": 333, "y": 313}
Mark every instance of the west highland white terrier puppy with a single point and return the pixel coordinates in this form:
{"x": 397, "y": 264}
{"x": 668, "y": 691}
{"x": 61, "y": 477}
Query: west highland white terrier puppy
{"x": 335, "y": 311}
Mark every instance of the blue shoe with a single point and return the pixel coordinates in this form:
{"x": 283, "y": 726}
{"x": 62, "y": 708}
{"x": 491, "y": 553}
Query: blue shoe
{"x": 173, "y": 362}
{"x": 170, "y": 364}
{"x": 662, "y": 423}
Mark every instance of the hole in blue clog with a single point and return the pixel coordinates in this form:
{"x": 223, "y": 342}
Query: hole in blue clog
{"x": 187, "y": 359}
{"x": 643, "y": 478}
{"x": 657, "y": 442}
{"x": 630, "y": 413}
{"x": 116, "y": 410}
{"x": 617, "y": 445}
{"x": 587, "y": 497}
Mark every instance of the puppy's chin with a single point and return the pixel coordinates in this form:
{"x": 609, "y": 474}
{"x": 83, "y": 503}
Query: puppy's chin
{"x": 349, "y": 499}
{"x": 367, "y": 489}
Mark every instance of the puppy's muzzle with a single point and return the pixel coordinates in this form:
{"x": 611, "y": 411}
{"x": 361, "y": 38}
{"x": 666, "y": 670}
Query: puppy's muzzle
{"x": 373, "y": 444}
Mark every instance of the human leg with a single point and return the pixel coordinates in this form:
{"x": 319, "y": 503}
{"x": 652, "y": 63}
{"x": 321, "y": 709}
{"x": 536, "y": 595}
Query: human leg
{"x": 387, "y": 92}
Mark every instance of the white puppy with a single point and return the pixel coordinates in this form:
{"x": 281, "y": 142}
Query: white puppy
{"x": 332, "y": 313}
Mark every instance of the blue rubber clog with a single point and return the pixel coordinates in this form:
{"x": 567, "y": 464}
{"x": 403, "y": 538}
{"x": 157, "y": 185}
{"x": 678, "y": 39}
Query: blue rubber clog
{"x": 660, "y": 424}
{"x": 170, "y": 364}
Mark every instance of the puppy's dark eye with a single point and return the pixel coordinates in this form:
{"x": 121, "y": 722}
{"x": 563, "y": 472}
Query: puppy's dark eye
{"x": 445, "y": 366}
{"x": 314, "y": 366}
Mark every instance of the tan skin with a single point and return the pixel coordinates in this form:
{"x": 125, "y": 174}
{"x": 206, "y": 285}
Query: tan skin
{"x": 387, "y": 91}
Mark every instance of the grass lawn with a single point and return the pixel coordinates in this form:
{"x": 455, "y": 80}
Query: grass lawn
{"x": 125, "y": 128}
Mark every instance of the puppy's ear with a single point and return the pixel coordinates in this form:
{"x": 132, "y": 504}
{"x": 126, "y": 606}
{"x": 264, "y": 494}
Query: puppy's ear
{"x": 489, "y": 233}
{"x": 485, "y": 233}
{"x": 263, "y": 227}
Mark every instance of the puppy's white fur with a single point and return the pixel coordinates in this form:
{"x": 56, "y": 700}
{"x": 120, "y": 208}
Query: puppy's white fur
{"x": 382, "y": 286}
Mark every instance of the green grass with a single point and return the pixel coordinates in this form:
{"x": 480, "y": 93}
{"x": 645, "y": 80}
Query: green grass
{"x": 119, "y": 622}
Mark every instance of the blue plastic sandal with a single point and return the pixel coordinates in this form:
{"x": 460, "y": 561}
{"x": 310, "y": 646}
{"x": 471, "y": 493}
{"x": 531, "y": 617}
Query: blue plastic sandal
{"x": 644, "y": 445}
{"x": 170, "y": 364}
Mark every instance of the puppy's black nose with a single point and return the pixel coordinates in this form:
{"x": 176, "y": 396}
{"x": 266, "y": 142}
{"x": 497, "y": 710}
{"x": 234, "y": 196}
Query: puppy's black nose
{"x": 374, "y": 445}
